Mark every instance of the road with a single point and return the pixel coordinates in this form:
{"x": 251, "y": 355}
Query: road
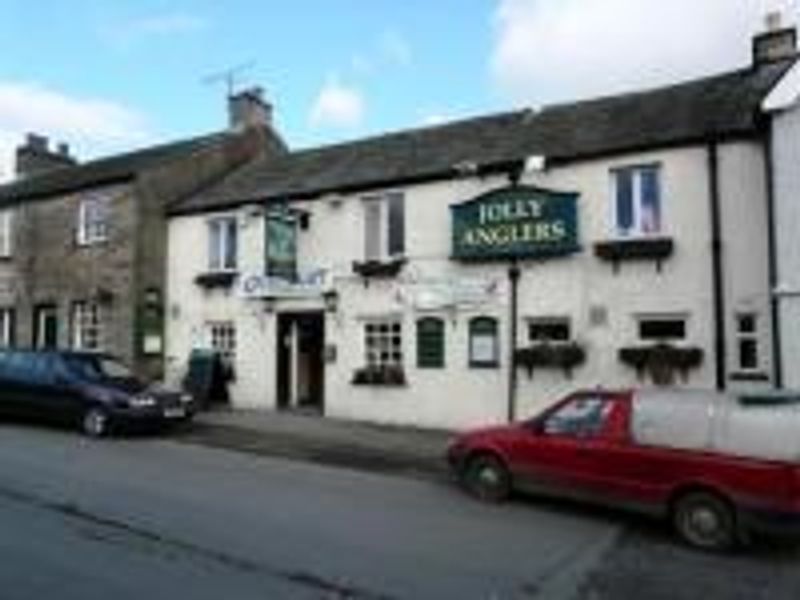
{"x": 137, "y": 517}
{"x": 149, "y": 517}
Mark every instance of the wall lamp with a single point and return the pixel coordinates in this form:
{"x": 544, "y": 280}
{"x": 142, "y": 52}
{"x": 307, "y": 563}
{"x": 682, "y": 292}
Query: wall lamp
{"x": 331, "y": 300}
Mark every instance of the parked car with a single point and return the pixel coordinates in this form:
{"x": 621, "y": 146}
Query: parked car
{"x": 95, "y": 392}
{"x": 719, "y": 466}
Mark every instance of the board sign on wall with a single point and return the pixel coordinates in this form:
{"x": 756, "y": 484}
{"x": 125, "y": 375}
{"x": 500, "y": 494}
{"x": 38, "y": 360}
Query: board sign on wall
{"x": 515, "y": 222}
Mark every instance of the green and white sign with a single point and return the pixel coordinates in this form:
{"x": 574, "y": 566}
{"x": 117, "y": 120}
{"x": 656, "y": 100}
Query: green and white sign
{"x": 281, "y": 242}
{"x": 515, "y": 222}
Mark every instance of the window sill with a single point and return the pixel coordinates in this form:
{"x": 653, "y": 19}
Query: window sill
{"x": 379, "y": 377}
{"x": 379, "y": 268}
{"x": 91, "y": 243}
{"x": 216, "y": 279}
{"x": 754, "y": 376}
{"x": 484, "y": 365}
{"x": 657, "y": 249}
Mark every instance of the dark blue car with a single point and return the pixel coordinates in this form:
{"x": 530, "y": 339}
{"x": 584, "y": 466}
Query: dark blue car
{"x": 94, "y": 392}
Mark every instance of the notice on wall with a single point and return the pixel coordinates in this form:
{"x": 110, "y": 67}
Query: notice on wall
{"x": 281, "y": 244}
{"x": 483, "y": 348}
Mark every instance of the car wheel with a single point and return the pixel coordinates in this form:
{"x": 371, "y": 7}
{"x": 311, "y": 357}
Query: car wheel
{"x": 95, "y": 422}
{"x": 487, "y": 478}
{"x": 705, "y": 521}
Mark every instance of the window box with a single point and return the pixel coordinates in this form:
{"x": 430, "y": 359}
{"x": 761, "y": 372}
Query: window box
{"x": 209, "y": 281}
{"x": 655, "y": 248}
{"x": 565, "y": 356}
{"x": 380, "y": 375}
{"x": 379, "y": 268}
{"x": 662, "y": 361}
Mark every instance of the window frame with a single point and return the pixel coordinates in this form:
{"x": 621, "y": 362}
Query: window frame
{"x": 552, "y": 320}
{"x": 753, "y": 337}
{"x": 88, "y": 326}
{"x": 6, "y": 233}
{"x": 476, "y": 362}
{"x": 384, "y": 342}
{"x": 642, "y": 319}
{"x": 636, "y": 231}
{"x": 428, "y": 358}
{"x": 221, "y": 257}
{"x": 384, "y": 242}
{"x": 7, "y": 327}
{"x": 94, "y": 217}
{"x": 223, "y": 338}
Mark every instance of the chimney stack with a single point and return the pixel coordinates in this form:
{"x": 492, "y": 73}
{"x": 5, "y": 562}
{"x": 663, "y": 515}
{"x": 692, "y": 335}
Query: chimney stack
{"x": 34, "y": 156}
{"x": 776, "y": 43}
{"x": 249, "y": 109}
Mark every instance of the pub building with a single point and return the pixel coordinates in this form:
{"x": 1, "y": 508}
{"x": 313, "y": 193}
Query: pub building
{"x": 471, "y": 272}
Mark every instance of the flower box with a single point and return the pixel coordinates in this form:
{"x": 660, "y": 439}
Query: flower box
{"x": 662, "y": 361}
{"x": 565, "y": 356}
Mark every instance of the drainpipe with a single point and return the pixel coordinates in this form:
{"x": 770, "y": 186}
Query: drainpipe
{"x": 777, "y": 359}
{"x": 513, "y": 279}
{"x": 718, "y": 287}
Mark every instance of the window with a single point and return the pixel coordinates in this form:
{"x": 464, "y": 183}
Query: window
{"x": 7, "y": 327}
{"x": 222, "y": 246}
{"x": 484, "y": 345}
{"x": 549, "y": 329}
{"x": 385, "y": 227}
{"x": 581, "y": 417}
{"x": 637, "y": 201}
{"x": 93, "y": 217}
{"x": 222, "y": 338}
{"x": 87, "y": 326}
{"x": 383, "y": 342}
{"x": 747, "y": 350}
{"x": 430, "y": 343}
{"x": 6, "y": 233}
{"x": 662, "y": 329}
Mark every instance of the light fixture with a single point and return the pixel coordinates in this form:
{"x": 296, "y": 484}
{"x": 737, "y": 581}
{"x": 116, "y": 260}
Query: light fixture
{"x": 331, "y": 300}
{"x": 268, "y": 302}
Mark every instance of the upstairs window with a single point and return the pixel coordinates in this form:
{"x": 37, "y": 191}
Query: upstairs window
{"x": 484, "y": 343}
{"x": 6, "y": 233}
{"x": 662, "y": 328}
{"x": 385, "y": 227}
{"x": 87, "y": 326}
{"x": 7, "y": 327}
{"x": 545, "y": 330}
{"x": 222, "y": 244}
{"x": 636, "y": 205}
{"x": 430, "y": 343}
{"x": 748, "y": 355}
{"x": 93, "y": 220}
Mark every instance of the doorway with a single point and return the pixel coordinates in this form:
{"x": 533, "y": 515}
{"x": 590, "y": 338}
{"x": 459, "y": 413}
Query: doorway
{"x": 300, "y": 361}
{"x": 45, "y": 327}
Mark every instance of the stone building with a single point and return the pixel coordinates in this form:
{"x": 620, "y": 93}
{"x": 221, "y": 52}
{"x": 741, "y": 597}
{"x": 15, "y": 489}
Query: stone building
{"x": 83, "y": 245}
{"x": 470, "y": 272}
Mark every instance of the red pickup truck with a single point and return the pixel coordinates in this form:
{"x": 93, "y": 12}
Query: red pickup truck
{"x": 719, "y": 466}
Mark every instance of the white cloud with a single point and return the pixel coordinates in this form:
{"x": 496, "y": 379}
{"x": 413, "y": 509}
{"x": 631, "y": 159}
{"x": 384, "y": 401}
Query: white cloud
{"x": 337, "y": 105}
{"x": 549, "y": 50}
{"x": 396, "y": 49}
{"x": 92, "y": 126}
{"x": 162, "y": 25}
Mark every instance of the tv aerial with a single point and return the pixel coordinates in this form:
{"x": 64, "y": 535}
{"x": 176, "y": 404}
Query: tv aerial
{"x": 230, "y": 77}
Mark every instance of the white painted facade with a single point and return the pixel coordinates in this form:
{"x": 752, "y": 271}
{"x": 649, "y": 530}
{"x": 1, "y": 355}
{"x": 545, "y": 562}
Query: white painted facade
{"x": 602, "y": 304}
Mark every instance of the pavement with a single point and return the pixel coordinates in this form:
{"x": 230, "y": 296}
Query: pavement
{"x": 406, "y": 451}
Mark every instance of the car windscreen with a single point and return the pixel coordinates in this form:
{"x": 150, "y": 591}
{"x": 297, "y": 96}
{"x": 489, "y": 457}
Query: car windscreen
{"x": 98, "y": 368}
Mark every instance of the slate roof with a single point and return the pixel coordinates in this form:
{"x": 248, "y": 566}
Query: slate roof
{"x": 110, "y": 169}
{"x": 721, "y": 106}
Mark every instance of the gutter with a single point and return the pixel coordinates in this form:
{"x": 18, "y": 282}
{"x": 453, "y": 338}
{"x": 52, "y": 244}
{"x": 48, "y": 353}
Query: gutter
{"x": 774, "y": 299}
{"x": 718, "y": 284}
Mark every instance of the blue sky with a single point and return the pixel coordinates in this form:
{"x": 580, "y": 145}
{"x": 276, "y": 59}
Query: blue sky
{"x": 108, "y": 76}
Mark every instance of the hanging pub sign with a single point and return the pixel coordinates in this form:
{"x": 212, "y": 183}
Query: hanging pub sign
{"x": 281, "y": 244}
{"x": 515, "y": 222}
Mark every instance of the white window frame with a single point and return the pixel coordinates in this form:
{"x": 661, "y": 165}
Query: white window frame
{"x": 383, "y": 342}
{"x": 637, "y": 230}
{"x": 94, "y": 216}
{"x": 218, "y": 253}
{"x": 748, "y": 336}
{"x": 222, "y": 338}
{"x": 376, "y": 242}
{"x": 6, "y": 325}
{"x": 6, "y": 233}
{"x": 87, "y": 326}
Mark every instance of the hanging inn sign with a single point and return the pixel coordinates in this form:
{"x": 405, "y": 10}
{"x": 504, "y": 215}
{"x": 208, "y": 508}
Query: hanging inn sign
{"x": 515, "y": 223}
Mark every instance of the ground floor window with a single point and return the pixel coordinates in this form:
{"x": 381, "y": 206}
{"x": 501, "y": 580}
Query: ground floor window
{"x": 544, "y": 330}
{"x": 662, "y": 328}
{"x": 747, "y": 347}
{"x": 7, "y": 327}
{"x": 484, "y": 343}
{"x": 222, "y": 338}
{"x": 383, "y": 342}
{"x": 430, "y": 343}
{"x": 87, "y": 326}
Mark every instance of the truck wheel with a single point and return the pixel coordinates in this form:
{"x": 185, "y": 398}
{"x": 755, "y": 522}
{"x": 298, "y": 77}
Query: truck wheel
{"x": 95, "y": 423}
{"x": 487, "y": 478}
{"x": 705, "y": 521}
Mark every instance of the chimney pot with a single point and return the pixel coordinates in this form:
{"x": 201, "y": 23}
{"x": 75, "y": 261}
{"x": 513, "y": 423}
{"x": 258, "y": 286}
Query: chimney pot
{"x": 248, "y": 109}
